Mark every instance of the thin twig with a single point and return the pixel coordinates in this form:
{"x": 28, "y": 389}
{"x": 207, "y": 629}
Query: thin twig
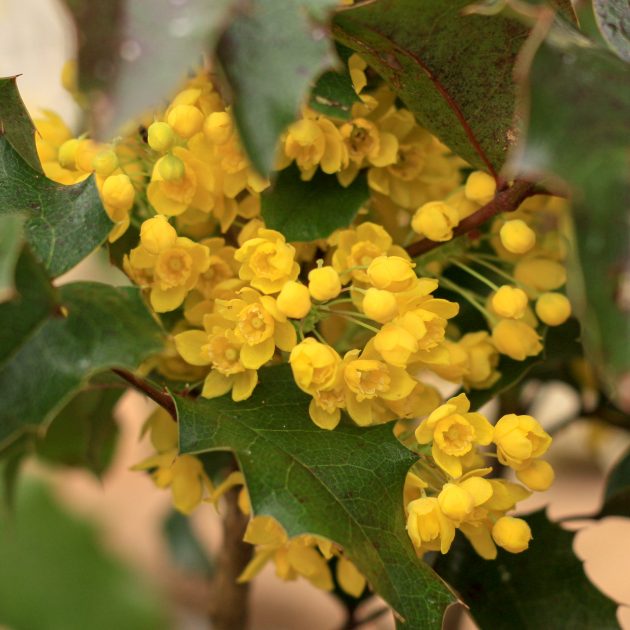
{"x": 161, "y": 398}
{"x": 506, "y": 201}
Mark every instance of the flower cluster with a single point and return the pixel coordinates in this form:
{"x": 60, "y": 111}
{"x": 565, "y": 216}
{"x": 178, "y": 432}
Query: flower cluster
{"x": 366, "y": 329}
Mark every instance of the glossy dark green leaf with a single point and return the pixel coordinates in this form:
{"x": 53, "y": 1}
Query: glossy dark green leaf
{"x": 186, "y": 550}
{"x": 84, "y": 432}
{"x": 16, "y": 124}
{"x": 51, "y": 343}
{"x": 613, "y": 19}
{"x": 453, "y": 71}
{"x": 11, "y": 239}
{"x": 64, "y": 223}
{"x": 307, "y": 211}
{"x": 334, "y": 95}
{"x": 617, "y": 496}
{"x": 544, "y": 587}
{"x": 578, "y": 130}
{"x": 54, "y": 574}
{"x": 270, "y": 54}
{"x": 345, "y": 485}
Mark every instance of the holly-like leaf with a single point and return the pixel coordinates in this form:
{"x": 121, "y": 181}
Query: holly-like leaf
{"x": 64, "y": 223}
{"x": 544, "y": 587}
{"x": 345, "y": 485}
{"x": 270, "y": 54}
{"x": 579, "y": 98}
{"x": 55, "y": 575}
{"x": 613, "y": 20}
{"x": 453, "y": 71}
{"x": 11, "y": 234}
{"x": 51, "y": 343}
{"x": 334, "y": 95}
{"x": 617, "y": 496}
{"x": 84, "y": 432}
{"x": 16, "y": 124}
{"x": 307, "y": 211}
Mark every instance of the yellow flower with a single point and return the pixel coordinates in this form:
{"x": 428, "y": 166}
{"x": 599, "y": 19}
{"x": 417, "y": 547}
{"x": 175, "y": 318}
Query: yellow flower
{"x": 540, "y": 274}
{"x": 517, "y": 237}
{"x": 294, "y": 300}
{"x": 480, "y": 187}
{"x": 458, "y": 500}
{"x": 513, "y": 534}
{"x": 298, "y": 556}
{"x": 358, "y": 247}
{"x": 422, "y": 400}
{"x": 175, "y": 262}
{"x": 185, "y": 120}
{"x": 117, "y": 194}
{"x": 395, "y": 344}
{"x": 553, "y": 309}
{"x": 369, "y": 382}
{"x": 516, "y": 339}
{"x": 324, "y": 283}
{"x": 510, "y": 302}
{"x": 267, "y": 261}
{"x": 183, "y": 474}
{"x": 315, "y": 365}
{"x": 391, "y": 273}
{"x": 519, "y": 439}
{"x": 105, "y": 162}
{"x": 351, "y": 580}
{"x": 435, "y": 220}
{"x": 314, "y": 142}
{"x": 454, "y": 431}
{"x": 428, "y": 527}
{"x": 483, "y": 359}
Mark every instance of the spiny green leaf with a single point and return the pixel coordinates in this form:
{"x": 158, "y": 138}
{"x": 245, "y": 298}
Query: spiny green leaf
{"x": 16, "y": 124}
{"x": 345, "y": 485}
{"x": 54, "y": 574}
{"x": 11, "y": 239}
{"x": 544, "y": 587}
{"x": 617, "y": 496}
{"x": 578, "y": 130}
{"x": 64, "y": 223}
{"x": 52, "y": 343}
{"x": 84, "y": 431}
{"x": 453, "y": 71}
{"x": 613, "y": 19}
{"x": 270, "y": 54}
{"x": 307, "y": 211}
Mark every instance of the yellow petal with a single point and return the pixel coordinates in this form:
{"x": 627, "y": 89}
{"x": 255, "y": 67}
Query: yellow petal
{"x": 479, "y": 488}
{"x": 448, "y": 463}
{"x": 253, "y": 357}
{"x": 167, "y": 300}
{"x": 322, "y": 418}
{"x": 244, "y": 384}
{"x": 285, "y": 336}
{"x": 256, "y": 564}
{"x": 349, "y": 577}
{"x": 189, "y": 344}
{"x": 216, "y": 384}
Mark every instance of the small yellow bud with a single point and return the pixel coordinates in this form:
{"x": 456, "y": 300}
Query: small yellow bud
{"x": 217, "y": 127}
{"x": 379, "y": 305}
{"x": 517, "y": 237}
{"x": 105, "y": 162}
{"x": 324, "y": 283}
{"x": 537, "y": 476}
{"x": 171, "y": 168}
{"x": 480, "y": 187}
{"x": 541, "y": 274}
{"x": 69, "y": 75}
{"x": 510, "y": 302}
{"x": 186, "y": 120}
{"x": 294, "y": 300}
{"x": 519, "y": 439}
{"x": 160, "y": 136}
{"x": 553, "y": 309}
{"x": 513, "y": 534}
{"x": 156, "y": 234}
{"x": 392, "y": 273}
{"x": 516, "y": 339}
{"x": 118, "y": 192}
{"x": 68, "y": 153}
{"x": 87, "y": 150}
{"x": 435, "y": 220}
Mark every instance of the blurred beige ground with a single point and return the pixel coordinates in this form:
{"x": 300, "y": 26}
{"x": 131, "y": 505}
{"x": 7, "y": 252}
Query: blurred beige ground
{"x": 128, "y": 509}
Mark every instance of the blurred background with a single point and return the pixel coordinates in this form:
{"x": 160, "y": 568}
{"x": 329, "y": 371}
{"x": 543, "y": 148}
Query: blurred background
{"x": 120, "y": 529}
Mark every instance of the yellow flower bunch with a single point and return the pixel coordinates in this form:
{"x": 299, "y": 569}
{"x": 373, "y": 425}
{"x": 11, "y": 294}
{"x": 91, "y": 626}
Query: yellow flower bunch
{"x": 448, "y": 488}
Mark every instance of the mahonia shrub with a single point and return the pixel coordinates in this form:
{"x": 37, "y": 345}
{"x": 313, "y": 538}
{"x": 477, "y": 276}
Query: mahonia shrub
{"x": 423, "y": 286}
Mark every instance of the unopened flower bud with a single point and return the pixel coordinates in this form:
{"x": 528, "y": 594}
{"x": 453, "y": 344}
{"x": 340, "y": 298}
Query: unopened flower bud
{"x": 294, "y": 300}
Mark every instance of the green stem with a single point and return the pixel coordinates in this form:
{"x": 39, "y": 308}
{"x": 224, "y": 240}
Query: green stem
{"x": 476, "y": 274}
